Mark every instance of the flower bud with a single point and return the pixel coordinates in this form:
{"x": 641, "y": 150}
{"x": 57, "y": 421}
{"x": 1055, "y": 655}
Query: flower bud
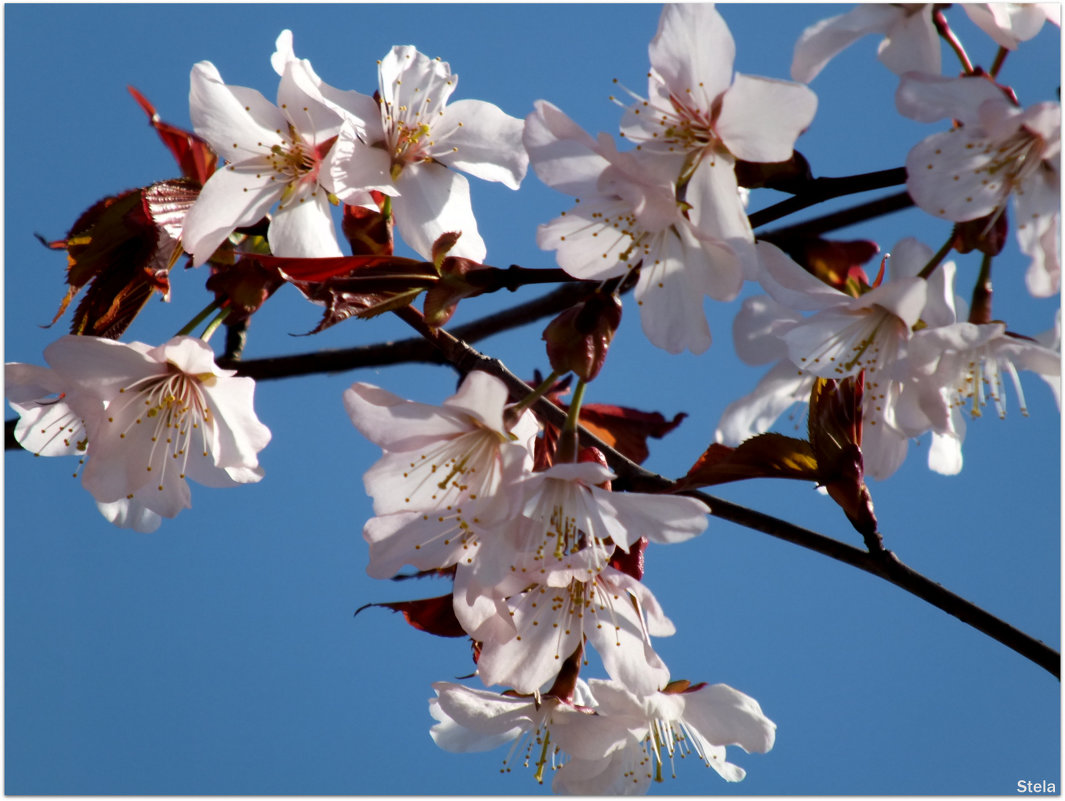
{"x": 578, "y": 339}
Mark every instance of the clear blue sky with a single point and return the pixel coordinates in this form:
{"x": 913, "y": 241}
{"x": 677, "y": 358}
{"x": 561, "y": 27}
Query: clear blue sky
{"x": 220, "y": 655}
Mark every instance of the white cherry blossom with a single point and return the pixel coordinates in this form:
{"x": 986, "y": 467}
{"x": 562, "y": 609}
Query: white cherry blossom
{"x": 700, "y": 720}
{"x": 150, "y": 417}
{"x": 273, "y": 155}
{"x": 627, "y": 217}
{"x": 701, "y": 117}
{"x": 544, "y": 731}
{"x": 49, "y": 426}
{"x": 567, "y": 518}
{"x": 417, "y": 141}
{"x": 967, "y": 366}
{"x": 910, "y": 39}
{"x": 998, "y": 151}
{"x": 844, "y": 336}
{"x": 535, "y": 619}
{"x": 445, "y": 472}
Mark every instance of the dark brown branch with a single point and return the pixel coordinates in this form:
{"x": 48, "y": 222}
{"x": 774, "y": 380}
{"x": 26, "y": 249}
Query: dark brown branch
{"x": 416, "y": 349}
{"x": 819, "y": 190}
{"x": 841, "y": 219}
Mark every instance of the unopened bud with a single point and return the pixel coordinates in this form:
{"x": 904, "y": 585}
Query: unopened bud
{"x": 578, "y": 339}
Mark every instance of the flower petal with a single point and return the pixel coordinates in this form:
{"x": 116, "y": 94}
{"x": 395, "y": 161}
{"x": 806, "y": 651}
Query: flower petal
{"x": 761, "y": 118}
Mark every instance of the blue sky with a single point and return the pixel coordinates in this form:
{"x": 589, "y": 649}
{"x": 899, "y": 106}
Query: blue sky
{"x": 220, "y": 655}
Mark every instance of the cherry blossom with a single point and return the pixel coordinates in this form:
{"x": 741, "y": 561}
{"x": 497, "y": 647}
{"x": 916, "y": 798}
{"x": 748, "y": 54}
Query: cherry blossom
{"x": 845, "y": 335}
{"x": 442, "y": 476}
{"x": 168, "y": 414}
{"x": 274, "y": 155}
{"x": 544, "y": 731}
{"x": 683, "y": 720}
{"x": 997, "y": 151}
{"x": 701, "y": 118}
{"x": 417, "y": 140}
{"x": 910, "y": 39}
{"x": 627, "y": 217}
{"x": 147, "y": 412}
{"x": 566, "y": 518}
{"x": 966, "y": 365}
{"x": 534, "y": 620}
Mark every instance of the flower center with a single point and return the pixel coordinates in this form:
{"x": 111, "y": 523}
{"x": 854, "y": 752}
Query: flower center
{"x": 1013, "y": 160}
{"x": 168, "y": 415}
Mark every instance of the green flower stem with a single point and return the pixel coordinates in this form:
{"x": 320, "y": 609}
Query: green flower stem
{"x": 567, "y": 439}
{"x": 519, "y": 407}
{"x": 214, "y": 305}
{"x": 213, "y": 325}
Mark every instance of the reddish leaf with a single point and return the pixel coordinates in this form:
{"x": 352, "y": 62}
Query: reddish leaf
{"x": 194, "y": 156}
{"x": 763, "y": 456}
{"x": 626, "y": 429}
{"x": 631, "y": 562}
{"x": 432, "y": 615}
{"x": 125, "y": 246}
{"x": 353, "y": 286}
{"x": 836, "y": 439}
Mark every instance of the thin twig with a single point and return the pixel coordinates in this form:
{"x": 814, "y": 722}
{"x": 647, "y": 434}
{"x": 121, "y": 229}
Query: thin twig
{"x": 819, "y": 190}
{"x": 841, "y": 219}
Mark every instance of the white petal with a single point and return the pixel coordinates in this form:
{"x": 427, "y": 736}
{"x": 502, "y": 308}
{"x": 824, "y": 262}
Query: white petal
{"x": 724, "y": 716}
{"x": 927, "y": 98}
{"x": 948, "y": 176}
{"x": 483, "y": 141}
{"x": 823, "y": 40}
{"x": 352, "y": 168}
{"x": 757, "y": 329}
{"x": 778, "y": 390}
{"x": 560, "y": 151}
{"x": 398, "y": 424}
{"x": 303, "y": 227}
{"x": 127, "y": 513}
{"x": 475, "y": 720}
{"x": 718, "y": 210}
{"x": 912, "y": 43}
{"x": 432, "y": 201}
{"x": 231, "y": 198}
{"x": 761, "y": 118}
{"x": 236, "y": 121}
{"x": 792, "y": 286}
{"x": 693, "y": 52}
{"x": 1008, "y": 24}
{"x": 660, "y": 518}
{"x": 587, "y": 243}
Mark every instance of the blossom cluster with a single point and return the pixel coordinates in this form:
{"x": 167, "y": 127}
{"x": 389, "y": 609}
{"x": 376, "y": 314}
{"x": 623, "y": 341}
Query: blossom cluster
{"x": 545, "y": 561}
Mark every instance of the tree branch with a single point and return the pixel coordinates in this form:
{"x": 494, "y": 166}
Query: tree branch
{"x": 818, "y": 190}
